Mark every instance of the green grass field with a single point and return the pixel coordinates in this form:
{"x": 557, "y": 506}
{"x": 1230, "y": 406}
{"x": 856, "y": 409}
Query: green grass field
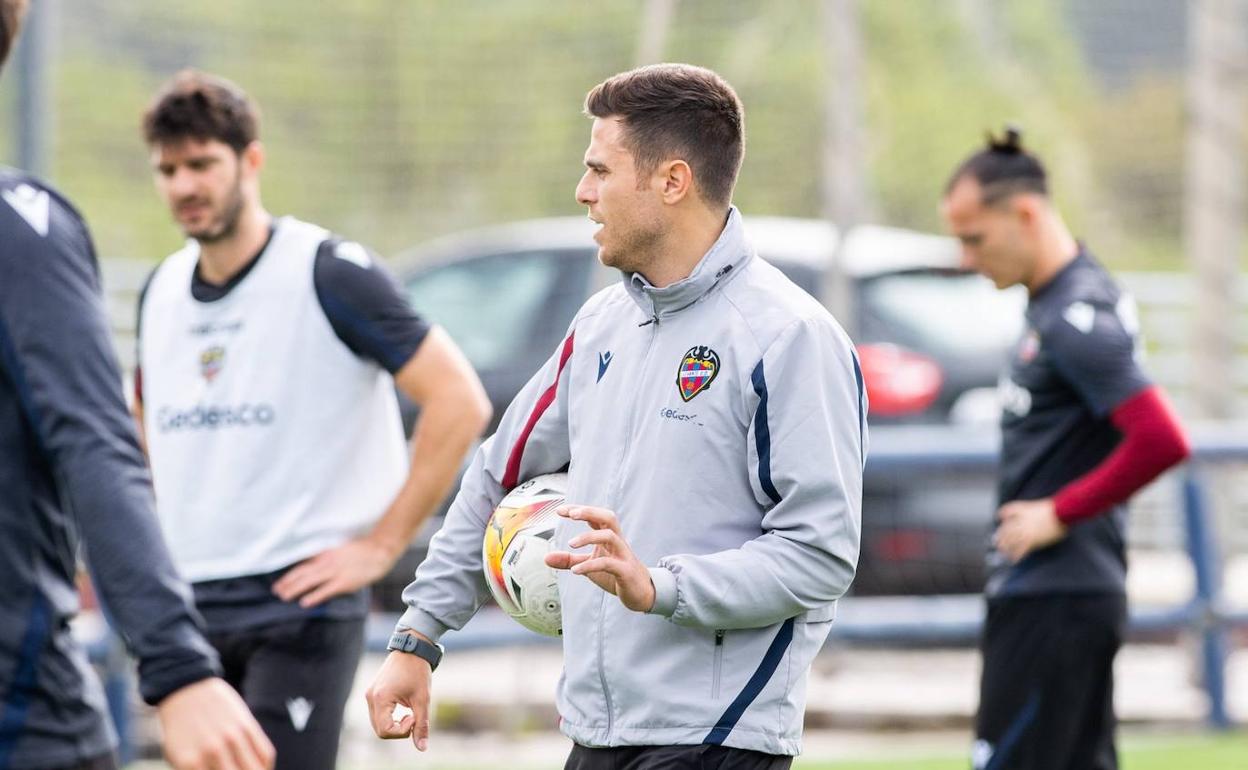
{"x": 1213, "y": 752}
{"x": 1139, "y": 752}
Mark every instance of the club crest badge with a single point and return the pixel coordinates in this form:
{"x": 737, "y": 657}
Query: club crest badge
{"x": 698, "y": 367}
{"x": 211, "y": 361}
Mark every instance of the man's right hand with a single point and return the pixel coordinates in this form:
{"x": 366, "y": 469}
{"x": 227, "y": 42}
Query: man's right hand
{"x": 206, "y": 726}
{"x": 403, "y": 680}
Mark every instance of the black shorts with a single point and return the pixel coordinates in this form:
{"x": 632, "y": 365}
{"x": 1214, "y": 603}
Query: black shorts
{"x": 1046, "y": 698}
{"x": 296, "y": 677}
{"x": 699, "y": 757}
{"x": 102, "y": 762}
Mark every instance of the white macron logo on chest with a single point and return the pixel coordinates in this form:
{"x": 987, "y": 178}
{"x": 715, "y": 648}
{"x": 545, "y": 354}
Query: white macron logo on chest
{"x": 300, "y": 710}
{"x": 354, "y": 253}
{"x": 32, "y": 205}
{"x": 1080, "y": 315}
{"x": 1014, "y": 398}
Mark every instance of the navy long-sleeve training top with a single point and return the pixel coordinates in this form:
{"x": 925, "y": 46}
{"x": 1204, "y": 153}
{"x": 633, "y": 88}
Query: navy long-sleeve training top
{"x": 71, "y": 471}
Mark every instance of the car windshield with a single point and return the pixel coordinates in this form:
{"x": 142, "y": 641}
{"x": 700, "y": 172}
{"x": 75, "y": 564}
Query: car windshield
{"x": 489, "y": 306}
{"x": 950, "y": 311}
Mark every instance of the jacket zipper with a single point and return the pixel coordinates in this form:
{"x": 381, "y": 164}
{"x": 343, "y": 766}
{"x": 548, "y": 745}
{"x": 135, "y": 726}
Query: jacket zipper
{"x": 719, "y": 664}
{"x": 653, "y": 323}
{"x": 602, "y": 657}
{"x": 615, "y": 496}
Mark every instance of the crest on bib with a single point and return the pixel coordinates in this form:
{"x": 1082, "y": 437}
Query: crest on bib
{"x": 211, "y": 361}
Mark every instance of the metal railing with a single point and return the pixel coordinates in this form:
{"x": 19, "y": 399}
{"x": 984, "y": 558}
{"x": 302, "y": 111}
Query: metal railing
{"x": 915, "y": 621}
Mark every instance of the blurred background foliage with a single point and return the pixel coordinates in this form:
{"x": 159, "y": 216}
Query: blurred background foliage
{"x": 392, "y": 122}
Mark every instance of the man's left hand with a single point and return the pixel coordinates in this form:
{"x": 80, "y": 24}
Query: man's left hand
{"x": 612, "y": 565}
{"x": 338, "y": 571}
{"x": 1026, "y": 526}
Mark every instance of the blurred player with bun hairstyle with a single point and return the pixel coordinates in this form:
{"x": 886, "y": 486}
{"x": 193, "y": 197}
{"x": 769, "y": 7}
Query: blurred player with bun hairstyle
{"x": 1083, "y": 428}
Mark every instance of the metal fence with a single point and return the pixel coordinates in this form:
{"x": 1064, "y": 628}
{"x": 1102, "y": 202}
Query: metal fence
{"x": 1166, "y": 301}
{"x": 925, "y": 621}
{"x": 392, "y": 122}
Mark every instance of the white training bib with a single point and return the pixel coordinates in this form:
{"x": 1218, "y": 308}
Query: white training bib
{"x": 270, "y": 440}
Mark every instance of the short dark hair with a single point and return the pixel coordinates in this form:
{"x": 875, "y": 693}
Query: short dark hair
{"x": 1003, "y": 169}
{"x": 678, "y": 111}
{"x": 196, "y": 105}
{"x": 11, "y": 13}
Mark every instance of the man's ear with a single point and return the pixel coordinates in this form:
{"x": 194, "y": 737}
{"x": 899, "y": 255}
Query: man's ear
{"x": 1027, "y": 209}
{"x": 253, "y": 157}
{"x": 675, "y": 180}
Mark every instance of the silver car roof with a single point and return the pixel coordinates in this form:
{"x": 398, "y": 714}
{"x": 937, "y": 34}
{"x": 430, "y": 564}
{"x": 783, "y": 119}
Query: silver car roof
{"x": 869, "y": 249}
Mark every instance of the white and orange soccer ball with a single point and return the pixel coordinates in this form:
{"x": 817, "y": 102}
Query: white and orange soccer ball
{"x": 517, "y": 539}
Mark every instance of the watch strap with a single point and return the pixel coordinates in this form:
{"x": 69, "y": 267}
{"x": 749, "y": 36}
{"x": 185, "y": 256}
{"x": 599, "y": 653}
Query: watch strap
{"x": 402, "y": 641}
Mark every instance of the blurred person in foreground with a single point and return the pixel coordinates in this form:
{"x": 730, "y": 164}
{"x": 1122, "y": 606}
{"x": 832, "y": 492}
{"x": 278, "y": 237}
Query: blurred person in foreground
{"x": 712, "y": 419}
{"x": 269, "y": 351}
{"x": 1083, "y": 428}
{"x": 71, "y": 470}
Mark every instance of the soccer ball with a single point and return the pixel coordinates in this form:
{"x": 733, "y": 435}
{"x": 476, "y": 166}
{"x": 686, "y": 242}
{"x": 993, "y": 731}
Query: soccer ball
{"x": 517, "y": 539}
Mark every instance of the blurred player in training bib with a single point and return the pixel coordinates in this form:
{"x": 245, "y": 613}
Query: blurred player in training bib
{"x": 269, "y": 351}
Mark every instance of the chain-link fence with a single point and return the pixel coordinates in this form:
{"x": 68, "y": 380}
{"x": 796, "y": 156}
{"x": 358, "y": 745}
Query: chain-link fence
{"x": 396, "y": 121}
{"x": 393, "y": 122}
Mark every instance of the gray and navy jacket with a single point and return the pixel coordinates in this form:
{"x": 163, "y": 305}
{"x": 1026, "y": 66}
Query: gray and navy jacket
{"x": 723, "y": 419}
{"x": 71, "y": 470}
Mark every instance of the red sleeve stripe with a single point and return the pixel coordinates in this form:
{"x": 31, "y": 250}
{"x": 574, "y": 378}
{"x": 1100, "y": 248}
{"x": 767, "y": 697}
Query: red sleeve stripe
{"x": 511, "y": 475}
{"x": 1152, "y": 441}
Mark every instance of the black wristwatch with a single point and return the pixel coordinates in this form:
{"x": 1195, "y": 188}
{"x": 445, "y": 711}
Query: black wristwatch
{"x": 402, "y": 641}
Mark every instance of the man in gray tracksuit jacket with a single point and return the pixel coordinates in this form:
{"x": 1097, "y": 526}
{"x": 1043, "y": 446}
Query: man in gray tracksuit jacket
{"x": 714, "y": 431}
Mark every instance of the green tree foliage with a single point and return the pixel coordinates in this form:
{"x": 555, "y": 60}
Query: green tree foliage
{"x": 392, "y": 122}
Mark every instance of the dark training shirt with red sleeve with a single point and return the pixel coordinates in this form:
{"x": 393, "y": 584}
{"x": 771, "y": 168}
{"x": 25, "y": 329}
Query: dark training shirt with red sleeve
{"x": 1081, "y": 423}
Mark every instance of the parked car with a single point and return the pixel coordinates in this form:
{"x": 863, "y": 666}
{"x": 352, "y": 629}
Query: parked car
{"x": 931, "y": 339}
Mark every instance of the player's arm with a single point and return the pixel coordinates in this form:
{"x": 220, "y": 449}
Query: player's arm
{"x": 136, "y": 411}
{"x": 1098, "y": 360}
{"x": 54, "y": 344}
{"x": 532, "y": 439}
{"x": 1100, "y": 363}
{"x": 59, "y": 351}
{"x": 136, "y": 403}
{"x": 806, "y": 451}
{"x": 370, "y": 315}
{"x": 1153, "y": 440}
{"x": 454, "y": 410}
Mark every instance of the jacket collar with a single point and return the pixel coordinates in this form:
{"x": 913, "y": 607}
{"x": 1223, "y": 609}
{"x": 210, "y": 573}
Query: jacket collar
{"x": 726, "y": 257}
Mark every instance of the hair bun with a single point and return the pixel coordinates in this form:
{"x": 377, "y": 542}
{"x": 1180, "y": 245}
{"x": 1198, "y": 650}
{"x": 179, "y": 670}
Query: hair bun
{"x": 1009, "y": 143}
